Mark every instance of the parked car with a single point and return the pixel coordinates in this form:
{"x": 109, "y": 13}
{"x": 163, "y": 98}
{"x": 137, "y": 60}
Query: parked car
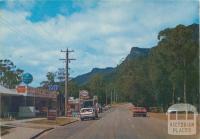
{"x": 139, "y": 111}
{"x": 88, "y": 113}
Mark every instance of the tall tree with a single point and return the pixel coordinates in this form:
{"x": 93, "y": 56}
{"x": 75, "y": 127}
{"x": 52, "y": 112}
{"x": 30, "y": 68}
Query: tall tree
{"x": 50, "y": 80}
{"x": 10, "y": 76}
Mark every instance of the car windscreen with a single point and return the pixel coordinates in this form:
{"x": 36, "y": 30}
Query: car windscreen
{"x": 86, "y": 110}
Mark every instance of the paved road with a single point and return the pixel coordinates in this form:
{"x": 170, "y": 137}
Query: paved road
{"x": 116, "y": 124}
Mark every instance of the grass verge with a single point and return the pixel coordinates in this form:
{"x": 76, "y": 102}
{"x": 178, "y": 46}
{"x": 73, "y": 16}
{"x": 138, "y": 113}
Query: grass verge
{"x": 5, "y": 130}
{"x": 58, "y": 121}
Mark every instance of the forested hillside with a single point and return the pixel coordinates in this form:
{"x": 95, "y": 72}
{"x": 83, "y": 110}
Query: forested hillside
{"x": 155, "y": 77}
{"x": 84, "y": 79}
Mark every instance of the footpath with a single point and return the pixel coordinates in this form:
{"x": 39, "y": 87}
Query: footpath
{"x": 31, "y": 128}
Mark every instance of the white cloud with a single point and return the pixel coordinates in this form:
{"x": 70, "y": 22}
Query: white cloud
{"x": 100, "y": 36}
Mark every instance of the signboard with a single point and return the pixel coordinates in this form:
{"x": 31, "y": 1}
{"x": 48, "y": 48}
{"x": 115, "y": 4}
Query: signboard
{"x": 51, "y": 115}
{"x": 21, "y": 89}
{"x": 95, "y": 97}
{"x": 83, "y": 94}
{"x": 27, "y": 78}
{"x": 43, "y": 93}
{"x": 53, "y": 87}
{"x": 61, "y": 71}
{"x": 61, "y": 74}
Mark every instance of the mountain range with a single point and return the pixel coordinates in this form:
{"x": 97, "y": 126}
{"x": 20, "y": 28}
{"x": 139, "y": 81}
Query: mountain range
{"x": 134, "y": 53}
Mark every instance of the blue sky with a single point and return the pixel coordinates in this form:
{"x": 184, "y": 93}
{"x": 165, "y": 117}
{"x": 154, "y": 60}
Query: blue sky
{"x": 101, "y": 32}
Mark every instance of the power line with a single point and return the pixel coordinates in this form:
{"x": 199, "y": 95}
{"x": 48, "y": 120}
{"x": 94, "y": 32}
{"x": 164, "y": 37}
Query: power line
{"x": 67, "y": 61}
{"x": 21, "y": 34}
{"x": 17, "y": 31}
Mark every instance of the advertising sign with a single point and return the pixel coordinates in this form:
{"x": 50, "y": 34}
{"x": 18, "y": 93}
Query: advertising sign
{"x": 51, "y": 115}
{"x": 95, "y": 97}
{"x": 53, "y": 87}
{"x": 27, "y": 78}
{"x": 43, "y": 93}
{"x": 83, "y": 94}
{"x": 61, "y": 74}
{"x": 21, "y": 89}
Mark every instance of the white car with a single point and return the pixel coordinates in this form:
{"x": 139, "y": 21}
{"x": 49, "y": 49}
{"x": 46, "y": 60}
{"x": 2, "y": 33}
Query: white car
{"x": 87, "y": 113}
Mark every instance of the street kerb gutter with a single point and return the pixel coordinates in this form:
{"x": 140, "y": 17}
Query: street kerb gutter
{"x": 70, "y": 122}
{"x": 37, "y": 135}
{"x": 48, "y": 129}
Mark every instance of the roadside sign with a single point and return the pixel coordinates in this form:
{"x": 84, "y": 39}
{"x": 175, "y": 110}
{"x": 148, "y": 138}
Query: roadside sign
{"x": 21, "y": 89}
{"x": 53, "y": 87}
{"x": 61, "y": 74}
{"x": 52, "y": 114}
{"x": 61, "y": 69}
{"x": 95, "y": 97}
{"x": 27, "y": 78}
{"x": 83, "y": 94}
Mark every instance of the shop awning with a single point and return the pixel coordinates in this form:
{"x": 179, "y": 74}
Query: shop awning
{"x": 6, "y": 91}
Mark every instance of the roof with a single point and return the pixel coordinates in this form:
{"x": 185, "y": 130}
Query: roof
{"x": 6, "y": 91}
{"x": 182, "y": 107}
{"x": 31, "y": 92}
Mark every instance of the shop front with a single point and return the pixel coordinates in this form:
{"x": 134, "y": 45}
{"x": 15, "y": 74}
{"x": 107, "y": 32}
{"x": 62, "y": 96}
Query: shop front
{"x": 35, "y": 102}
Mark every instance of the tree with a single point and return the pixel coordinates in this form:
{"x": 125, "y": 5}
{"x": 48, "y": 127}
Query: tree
{"x": 97, "y": 87}
{"x": 73, "y": 89}
{"x": 10, "y": 76}
{"x": 50, "y": 80}
{"x": 157, "y": 78}
{"x": 183, "y": 44}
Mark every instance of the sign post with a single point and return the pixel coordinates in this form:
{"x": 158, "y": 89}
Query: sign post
{"x": 27, "y": 78}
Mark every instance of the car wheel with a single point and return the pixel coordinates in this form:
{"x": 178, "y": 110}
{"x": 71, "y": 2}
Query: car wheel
{"x": 82, "y": 119}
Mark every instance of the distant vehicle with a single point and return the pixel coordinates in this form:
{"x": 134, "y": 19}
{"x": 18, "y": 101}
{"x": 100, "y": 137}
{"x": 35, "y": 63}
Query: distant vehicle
{"x": 88, "y": 113}
{"x": 91, "y": 103}
{"x": 88, "y": 103}
{"x": 139, "y": 111}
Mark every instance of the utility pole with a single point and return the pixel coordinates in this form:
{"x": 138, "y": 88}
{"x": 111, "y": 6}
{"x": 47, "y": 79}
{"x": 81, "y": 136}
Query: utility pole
{"x": 114, "y": 95}
{"x": 117, "y": 97}
{"x": 111, "y": 98}
{"x": 67, "y": 61}
{"x": 106, "y": 97}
